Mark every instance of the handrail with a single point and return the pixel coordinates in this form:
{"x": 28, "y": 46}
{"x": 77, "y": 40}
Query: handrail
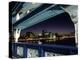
{"x": 42, "y": 48}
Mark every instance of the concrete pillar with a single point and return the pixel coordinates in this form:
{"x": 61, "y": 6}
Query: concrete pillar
{"x": 76, "y": 33}
{"x": 75, "y": 21}
{"x": 73, "y": 12}
{"x": 17, "y": 34}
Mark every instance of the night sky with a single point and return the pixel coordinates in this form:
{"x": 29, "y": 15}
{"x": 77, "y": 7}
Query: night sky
{"x": 60, "y": 23}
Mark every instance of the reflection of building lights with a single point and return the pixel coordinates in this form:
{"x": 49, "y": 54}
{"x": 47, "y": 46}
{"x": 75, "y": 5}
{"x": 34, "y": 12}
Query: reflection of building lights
{"x": 39, "y": 42}
{"x": 40, "y": 34}
{"x": 54, "y": 37}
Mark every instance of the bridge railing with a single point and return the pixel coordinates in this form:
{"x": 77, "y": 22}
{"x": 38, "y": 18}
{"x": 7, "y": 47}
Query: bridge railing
{"x": 24, "y": 50}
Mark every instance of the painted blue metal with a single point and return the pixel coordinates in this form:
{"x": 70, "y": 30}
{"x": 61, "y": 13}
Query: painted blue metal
{"x": 14, "y": 51}
{"x": 39, "y": 18}
{"x": 25, "y": 51}
{"x": 60, "y": 49}
{"x": 41, "y": 52}
{"x": 42, "y": 7}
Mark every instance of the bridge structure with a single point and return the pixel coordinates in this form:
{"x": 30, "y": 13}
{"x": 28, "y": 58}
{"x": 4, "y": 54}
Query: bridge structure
{"x": 25, "y": 15}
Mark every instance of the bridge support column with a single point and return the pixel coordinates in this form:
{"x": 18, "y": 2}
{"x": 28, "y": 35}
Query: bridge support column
{"x": 76, "y": 33}
{"x": 17, "y": 34}
{"x": 72, "y": 11}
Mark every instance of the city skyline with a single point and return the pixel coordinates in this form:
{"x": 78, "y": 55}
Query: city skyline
{"x": 54, "y": 24}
